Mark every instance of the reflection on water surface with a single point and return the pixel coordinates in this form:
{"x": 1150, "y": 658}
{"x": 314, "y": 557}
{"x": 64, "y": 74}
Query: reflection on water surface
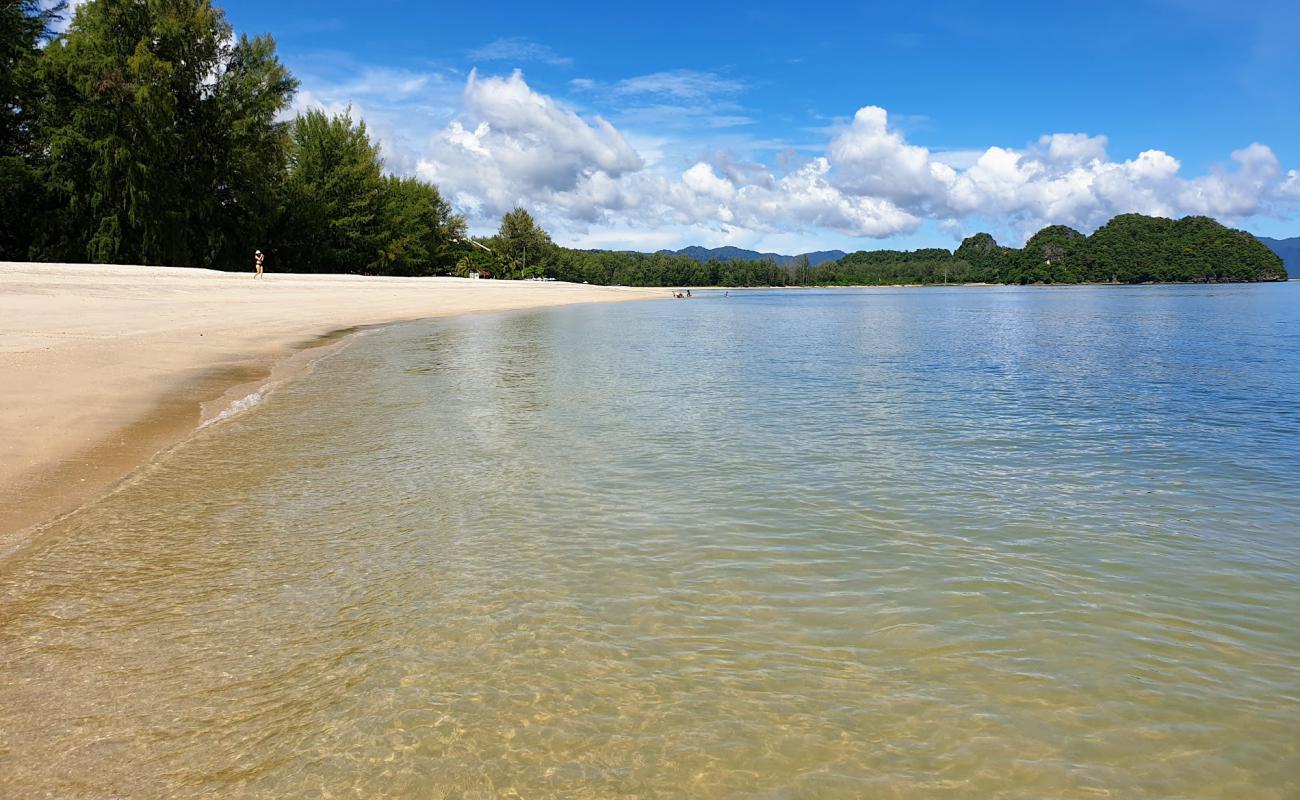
{"x": 935, "y": 543}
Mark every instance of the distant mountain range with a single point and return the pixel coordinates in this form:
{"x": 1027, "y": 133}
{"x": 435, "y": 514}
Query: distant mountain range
{"x": 1288, "y": 249}
{"x": 703, "y": 254}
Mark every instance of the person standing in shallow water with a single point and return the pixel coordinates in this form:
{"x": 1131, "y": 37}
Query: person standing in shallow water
{"x": 258, "y": 258}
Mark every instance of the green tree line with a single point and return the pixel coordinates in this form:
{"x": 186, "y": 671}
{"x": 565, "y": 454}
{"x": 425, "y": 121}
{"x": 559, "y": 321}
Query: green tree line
{"x": 149, "y": 134}
{"x": 1131, "y": 248}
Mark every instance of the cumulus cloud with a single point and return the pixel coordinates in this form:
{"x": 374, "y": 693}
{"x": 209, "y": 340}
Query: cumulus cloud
{"x": 701, "y": 180}
{"x": 808, "y": 198}
{"x": 513, "y": 145}
{"x": 1072, "y": 148}
{"x": 1291, "y": 186}
{"x": 508, "y": 144}
{"x": 875, "y": 161}
{"x": 1237, "y": 192}
{"x": 1065, "y": 178}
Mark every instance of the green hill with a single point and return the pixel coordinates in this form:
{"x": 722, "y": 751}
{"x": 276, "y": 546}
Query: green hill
{"x": 1131, "y": 248}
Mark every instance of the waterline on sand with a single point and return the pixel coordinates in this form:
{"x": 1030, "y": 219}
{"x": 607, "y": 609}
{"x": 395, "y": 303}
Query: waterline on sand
{"x": 106, "y": 366}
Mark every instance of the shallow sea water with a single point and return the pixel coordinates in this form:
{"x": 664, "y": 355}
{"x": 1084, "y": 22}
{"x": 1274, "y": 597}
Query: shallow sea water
{"x": 969, "y": 542}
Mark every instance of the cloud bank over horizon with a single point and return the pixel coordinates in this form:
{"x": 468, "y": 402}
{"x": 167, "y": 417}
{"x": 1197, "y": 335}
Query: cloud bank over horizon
{"x": 498, "y": 142}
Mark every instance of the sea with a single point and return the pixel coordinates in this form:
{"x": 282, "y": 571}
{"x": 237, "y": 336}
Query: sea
{"x": 967, "y": 542}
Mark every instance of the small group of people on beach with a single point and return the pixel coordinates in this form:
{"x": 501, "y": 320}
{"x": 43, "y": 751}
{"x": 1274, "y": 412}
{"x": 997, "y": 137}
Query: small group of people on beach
{"x": 682, "y": 295}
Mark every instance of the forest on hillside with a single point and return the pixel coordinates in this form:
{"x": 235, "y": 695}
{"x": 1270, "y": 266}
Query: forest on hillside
{"x": 1131, "y": 248}
{"x": 149, "y": 134}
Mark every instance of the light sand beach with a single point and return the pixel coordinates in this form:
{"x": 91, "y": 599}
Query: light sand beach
{"x": 105, "y": 366}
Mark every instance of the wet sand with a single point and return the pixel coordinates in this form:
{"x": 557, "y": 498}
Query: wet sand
{"x": 105, "y": 366}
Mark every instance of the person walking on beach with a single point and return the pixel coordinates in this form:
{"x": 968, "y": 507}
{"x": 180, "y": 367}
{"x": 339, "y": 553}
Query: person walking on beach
{"x": 258, "y": 258}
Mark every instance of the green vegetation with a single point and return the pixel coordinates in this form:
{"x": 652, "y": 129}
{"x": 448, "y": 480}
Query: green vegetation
{"x": 147, "y": 134}
{"x": 155, "y": 132}
{"x": 23, "y": 26}
{"x": 1131, "y": 248}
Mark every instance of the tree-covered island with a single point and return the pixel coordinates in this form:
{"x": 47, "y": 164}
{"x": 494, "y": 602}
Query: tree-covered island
{"x": 1131, "y": 248}
{"x": 149, "y": 134}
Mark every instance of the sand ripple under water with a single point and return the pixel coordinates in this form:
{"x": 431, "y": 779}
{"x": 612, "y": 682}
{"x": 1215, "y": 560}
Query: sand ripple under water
{"x": 995, "y": 543}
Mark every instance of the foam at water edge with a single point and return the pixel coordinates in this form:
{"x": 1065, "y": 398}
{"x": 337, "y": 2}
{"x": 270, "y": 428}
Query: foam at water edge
{"x": 237, "y": 407}
{"x": 296, "y": 365}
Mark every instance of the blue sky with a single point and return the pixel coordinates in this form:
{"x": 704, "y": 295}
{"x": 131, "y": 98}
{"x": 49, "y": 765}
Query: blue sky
{"x": 669, "y": 124}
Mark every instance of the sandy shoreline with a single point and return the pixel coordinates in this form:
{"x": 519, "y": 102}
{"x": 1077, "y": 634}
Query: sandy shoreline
{"x": 105, "y": 366}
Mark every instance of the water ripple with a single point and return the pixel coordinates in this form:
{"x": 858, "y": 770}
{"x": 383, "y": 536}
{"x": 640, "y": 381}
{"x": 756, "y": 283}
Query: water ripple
{"x": 981, "y": 543}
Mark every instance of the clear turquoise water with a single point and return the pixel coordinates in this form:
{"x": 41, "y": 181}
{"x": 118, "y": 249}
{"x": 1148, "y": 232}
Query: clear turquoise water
{"x": 975, "y": 542}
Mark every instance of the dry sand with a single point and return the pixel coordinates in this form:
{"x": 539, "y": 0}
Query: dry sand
{"x": 102, "y": 367}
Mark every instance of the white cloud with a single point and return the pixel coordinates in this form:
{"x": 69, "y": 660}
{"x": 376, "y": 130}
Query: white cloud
{"x": 1237, "y": 193}
{"x": 701, "y": 179}
{"x": 807, "y": 198}
{"x": 1291, "y": 186}
{"x": 666, "y": 116}
{"x": 872, "y": 160}
{"x": 957, "y": 159}
{"x": 503, "y": 143}
{"x": 1064, "y": 178}
{"x": 523, "y": 147}
{"x": 513, "y": 145}
{"x": 682, "y": 83}
{"x": 1072, "y": 148}
{"x": 518, "y": 50}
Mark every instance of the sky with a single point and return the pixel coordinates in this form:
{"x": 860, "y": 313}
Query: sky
{"x": 796, "y": 127}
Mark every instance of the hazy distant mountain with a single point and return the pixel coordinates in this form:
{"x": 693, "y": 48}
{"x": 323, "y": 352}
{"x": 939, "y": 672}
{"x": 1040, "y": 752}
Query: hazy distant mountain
{"x": 738, "y": 254}
{"x": 1288, "y": 249}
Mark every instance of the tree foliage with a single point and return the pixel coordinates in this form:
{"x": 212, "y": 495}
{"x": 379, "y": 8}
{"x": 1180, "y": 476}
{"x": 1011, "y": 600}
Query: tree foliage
{"x": 24, "y": 25}
{"x": 420, "y": 233}
{"x": 248, "y": 152}
{"x": 141, "y": 115}
{"x": 524, "y": 250}
{"x": 149, "y": 134}
{"x": 342, "y": 214}
{"x": 1130, "y": 249}
{"x": 333, "y": 197}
